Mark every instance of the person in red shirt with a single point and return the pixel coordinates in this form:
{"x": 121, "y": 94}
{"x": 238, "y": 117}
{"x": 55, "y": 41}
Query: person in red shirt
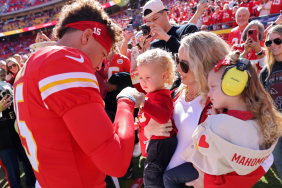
{"x": 206, "y": 18}
{"x": 155, "y": 70}
{"x": 116, "y": 62}
{"x": 242, "y": 16}
{"x": 276, "y": 6}
{"x": 181, "y": 18}
{"x": 252, "y": 49}
{"x": 250, "y": 5}
{"x": 226, "y": 16}
{"x": 216, "y": 18}
{"x": 66, "y": 133}
{"x": 189, "y": 14}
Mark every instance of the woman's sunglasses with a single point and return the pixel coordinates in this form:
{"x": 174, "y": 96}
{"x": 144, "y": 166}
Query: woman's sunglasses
{"x": 12, "y": 66}
{"x": 276, "y": 41}
{"x": 183, "y": 65}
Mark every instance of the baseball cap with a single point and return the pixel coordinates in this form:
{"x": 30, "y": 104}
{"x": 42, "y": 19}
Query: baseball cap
{"x": 152, "y": 7}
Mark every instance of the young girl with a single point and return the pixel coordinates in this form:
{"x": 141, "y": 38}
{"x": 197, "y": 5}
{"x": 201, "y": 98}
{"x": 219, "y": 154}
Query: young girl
{"x": 156, "y": 70}
{"x": 242, "y": 138}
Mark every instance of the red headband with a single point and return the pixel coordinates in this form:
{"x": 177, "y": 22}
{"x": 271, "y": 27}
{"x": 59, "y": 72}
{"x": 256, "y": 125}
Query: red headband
{"x": 225, "y": 61}
{"x": 100, "y": 32}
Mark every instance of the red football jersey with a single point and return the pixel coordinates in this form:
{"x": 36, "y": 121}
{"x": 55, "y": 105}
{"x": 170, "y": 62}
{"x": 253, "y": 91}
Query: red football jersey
{"x": 250, "y": 5}
{"x": 276, "y": 6}
{"x": 118, "y": 63}
{"x": 55, "y": 84}
{"x": 216, "y": 18}
{"x": 206, "y": 19}
{"x": 235, "y": 36}
{"x": 252, "y": 56}
{"x": 159, "y": 106}
{"x": 227, "y": 16}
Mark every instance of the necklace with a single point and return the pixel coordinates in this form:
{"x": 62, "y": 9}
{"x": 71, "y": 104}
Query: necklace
{"x": 191, "y": 97}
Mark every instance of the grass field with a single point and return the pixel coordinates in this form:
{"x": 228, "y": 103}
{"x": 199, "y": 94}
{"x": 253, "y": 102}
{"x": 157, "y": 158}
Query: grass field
{"x": 270, "y": 180}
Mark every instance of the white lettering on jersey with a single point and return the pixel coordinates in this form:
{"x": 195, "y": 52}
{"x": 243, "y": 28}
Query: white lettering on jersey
{"x": 80, "y": 60}
{"x": 97, "y": 31}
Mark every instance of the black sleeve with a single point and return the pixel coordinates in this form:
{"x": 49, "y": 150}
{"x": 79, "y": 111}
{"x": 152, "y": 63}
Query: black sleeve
{"x": 263, "y": 75}
{"x": 173, "y": 43}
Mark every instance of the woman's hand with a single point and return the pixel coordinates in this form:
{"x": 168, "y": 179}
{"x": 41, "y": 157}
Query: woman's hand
{"x": 5, "y": 103}
{"x": 254, "y": 45}
{"x": 197, "y": 183}
{"x": 9, "y": 77}
{"x": 156, "y": 129}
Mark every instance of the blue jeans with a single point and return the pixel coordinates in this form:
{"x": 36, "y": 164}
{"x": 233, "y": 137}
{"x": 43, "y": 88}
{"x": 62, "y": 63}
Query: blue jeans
{"x": 9, "y": 158}
{"x": 179, "y": 175}
{"x": 277, "y": 153}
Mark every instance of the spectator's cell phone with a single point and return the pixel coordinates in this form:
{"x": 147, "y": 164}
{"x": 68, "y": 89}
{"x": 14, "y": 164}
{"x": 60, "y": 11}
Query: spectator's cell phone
{"x": 253, "y": 34}
{"x": 130, "y": 28}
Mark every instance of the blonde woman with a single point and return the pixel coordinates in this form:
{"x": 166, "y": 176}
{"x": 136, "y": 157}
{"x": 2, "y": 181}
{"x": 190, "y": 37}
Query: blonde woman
{"x": 271, "y": 78}
{"x": 13, "y": 67}
{"x": 198, "y": 54}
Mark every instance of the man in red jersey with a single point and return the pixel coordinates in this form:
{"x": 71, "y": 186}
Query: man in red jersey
{"x": 65, "y": 131}
{"x": 242, "y": 16}
{"x": 276, "y": 6}
{"x": 116, "y": 62}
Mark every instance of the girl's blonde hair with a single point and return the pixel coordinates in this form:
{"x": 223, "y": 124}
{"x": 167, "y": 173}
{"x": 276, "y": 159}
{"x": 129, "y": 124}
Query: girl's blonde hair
{"x": 203, "y": 50}
{"x": 162, "y": 58}
{"x": 269, "y": 55}
{"x": 260, "y": 103}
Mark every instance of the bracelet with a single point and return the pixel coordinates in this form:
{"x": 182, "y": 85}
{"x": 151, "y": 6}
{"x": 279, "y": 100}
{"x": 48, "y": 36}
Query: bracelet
{"x": 129, "y": 97}
{"x": 260, "y": 53}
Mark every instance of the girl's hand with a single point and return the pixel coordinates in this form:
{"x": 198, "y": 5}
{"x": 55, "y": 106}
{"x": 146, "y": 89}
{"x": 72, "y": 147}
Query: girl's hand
{"x": 5, "y": 103}
{"x": 197, "y": 183}
{"x": 9, "y": 77}
{"x": 156, "y": 129}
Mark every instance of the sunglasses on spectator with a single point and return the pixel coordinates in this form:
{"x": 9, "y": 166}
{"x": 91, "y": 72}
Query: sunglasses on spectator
{"x": 183, "y": 64}
{"x": 276, "y": 41}
{"x": 12, "y": 66}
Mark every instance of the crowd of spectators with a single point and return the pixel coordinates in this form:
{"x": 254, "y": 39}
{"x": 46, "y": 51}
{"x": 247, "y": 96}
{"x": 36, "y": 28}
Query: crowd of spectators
{"x": 219, "y": 14}
{"x": 14, "y": 5}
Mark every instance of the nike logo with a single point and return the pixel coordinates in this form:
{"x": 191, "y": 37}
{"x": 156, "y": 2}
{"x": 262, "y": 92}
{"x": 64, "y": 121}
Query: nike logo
{"x": 80, "y": 60}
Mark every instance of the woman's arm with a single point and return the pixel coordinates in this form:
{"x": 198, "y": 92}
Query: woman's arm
{"x": 200, "y": 9}
{"x": 155, "y": 129}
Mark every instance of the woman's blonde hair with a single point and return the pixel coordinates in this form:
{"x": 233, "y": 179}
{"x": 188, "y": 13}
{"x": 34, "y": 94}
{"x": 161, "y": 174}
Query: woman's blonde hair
{"x": 161, "y": 57}
{"x": 270, "y": 59}
{"x": 203, "y": 50}
{"x": 260, "y": 103}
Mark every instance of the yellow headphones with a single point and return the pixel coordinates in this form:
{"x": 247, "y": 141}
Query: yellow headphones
{"x": 235, "y": 78}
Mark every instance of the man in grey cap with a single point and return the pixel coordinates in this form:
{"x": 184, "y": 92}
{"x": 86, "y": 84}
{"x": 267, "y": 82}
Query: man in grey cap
{"x": 164, "y": 35}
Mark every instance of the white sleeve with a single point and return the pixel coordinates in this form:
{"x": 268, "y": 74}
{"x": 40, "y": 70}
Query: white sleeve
{"x": 262, "y": 62}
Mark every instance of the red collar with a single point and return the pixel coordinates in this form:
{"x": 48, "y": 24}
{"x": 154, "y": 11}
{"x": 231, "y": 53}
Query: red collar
{"x": 243, "y": 115}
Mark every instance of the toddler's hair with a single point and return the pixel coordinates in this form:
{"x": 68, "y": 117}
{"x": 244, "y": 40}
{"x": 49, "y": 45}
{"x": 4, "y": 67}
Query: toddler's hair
{"x": 162, "y": 58}
{"x": 261, "y": 105}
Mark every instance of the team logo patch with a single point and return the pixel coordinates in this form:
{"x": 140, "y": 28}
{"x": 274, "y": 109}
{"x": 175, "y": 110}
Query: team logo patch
{"x": 120, "y": 61}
